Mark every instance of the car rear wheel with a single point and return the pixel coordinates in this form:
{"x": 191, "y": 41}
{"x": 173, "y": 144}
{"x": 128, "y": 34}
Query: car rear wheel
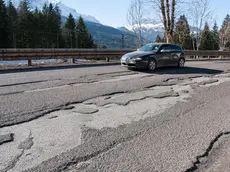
{"x": 181, "y": 63}
{"x": 152, "y": 65}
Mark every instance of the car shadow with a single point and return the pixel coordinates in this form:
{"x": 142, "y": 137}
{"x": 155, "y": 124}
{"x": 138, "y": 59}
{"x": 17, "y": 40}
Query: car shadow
{"x": 57, "y": 67}
{"x": 185, "y": 70}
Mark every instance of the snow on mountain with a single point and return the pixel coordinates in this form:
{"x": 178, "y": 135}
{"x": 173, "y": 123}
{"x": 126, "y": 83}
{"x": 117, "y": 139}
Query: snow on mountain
{"x": 65, "y": 10}
{"x": 124, "y": 29}
{"x": 149, "y": 30}
{"x": 156, "y": 27}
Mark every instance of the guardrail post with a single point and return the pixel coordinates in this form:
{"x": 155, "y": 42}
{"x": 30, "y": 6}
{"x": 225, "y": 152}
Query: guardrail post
{"x": 107, "y": 59}
{"x": 73, "y": 60}
{"x": 29, "y": 62}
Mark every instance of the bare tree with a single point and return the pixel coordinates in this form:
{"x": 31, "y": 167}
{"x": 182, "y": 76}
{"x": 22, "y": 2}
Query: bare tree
{"x": 167, "y": 10}
{"x": 136, "y": 19}
{"x": 199, "y": 11}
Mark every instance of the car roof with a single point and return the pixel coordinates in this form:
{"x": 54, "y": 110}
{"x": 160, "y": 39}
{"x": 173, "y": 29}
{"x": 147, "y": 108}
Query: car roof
{"x": 159, "y": 43}
{"x": 162, "y": 43}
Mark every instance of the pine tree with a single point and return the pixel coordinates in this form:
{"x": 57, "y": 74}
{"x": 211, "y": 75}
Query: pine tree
{"x": 84, "y": 39}
{"x": 52, "y": 25}
{"x": 158, "y": 39}
{"x": 226, "y": 20}
{"x": 215, "y": 35}
{"x": 57, "y": 25}
{"x": 69, "y": 33}
{"x": 38, "y": 29}
{"x": 182, "y": 33}
{"x": 25, "y": 25}
{"x": 206, "y": 38}
{"x": 3, "y": 25}
{"x": 176, "y": 38}
{"x": 224, "y": 35}
{"x": 12, "y": 24}
{"x": 45, "y": 31}
{"x": 91, "y": 42}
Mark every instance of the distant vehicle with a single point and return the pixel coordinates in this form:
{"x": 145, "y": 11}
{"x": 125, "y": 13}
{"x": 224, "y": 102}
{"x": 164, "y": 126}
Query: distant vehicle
{"x": 154, "y": 55}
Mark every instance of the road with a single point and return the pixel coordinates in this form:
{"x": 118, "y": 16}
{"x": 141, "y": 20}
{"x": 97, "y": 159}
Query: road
{"x": 107, "y": 118}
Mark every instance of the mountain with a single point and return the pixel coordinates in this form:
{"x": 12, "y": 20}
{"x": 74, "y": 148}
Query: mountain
{"x": 109, "y": 36}
{"x": 149, "y": 31}
{"x": 65, "y": 10}
{"x": 106, "y": 35}
{"x": 124, "y": 30}
{"x": 102, "y": 35}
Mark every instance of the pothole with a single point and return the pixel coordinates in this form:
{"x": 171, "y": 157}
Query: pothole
{"x": 63, "y": 130}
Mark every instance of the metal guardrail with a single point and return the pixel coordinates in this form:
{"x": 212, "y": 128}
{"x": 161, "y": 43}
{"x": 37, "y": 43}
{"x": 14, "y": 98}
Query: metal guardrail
{"x": 206, "y": 53}
{"x": 39, "y": 54}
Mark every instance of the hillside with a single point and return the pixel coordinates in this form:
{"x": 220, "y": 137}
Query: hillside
{"x": 109, "y": 36}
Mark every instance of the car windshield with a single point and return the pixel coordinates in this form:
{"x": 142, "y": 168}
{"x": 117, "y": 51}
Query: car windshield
{"x": 149, "y": 47}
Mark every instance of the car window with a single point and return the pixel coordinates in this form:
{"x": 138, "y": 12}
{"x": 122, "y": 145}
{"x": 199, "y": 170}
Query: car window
{"x": 150, "y": 47}
{"x": 170, "y": 48}
{"x": 175, "y": 48}
{"x": 166, "y": 48}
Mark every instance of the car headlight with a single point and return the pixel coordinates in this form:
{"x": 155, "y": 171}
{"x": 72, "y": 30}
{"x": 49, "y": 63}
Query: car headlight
{"x": 137, "y": 58}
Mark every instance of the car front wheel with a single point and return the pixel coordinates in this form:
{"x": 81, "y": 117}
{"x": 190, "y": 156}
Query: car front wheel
{"x": 181, "y": 63}
{"x": 152, "y": 65}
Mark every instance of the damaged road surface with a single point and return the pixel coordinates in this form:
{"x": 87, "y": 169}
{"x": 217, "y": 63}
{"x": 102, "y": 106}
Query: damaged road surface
{"x": 113, "y": 119}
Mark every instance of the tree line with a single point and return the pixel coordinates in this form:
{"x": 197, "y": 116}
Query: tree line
{"x": 183, "y": 36}
{"x": 23, "y": 28}
{"x": 176, "y": 27}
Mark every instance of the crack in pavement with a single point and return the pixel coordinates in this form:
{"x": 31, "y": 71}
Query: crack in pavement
{"x": 103, "y": 149}
{"x": 127, "y": 74}
{"x": 206, "y": 153}
{"x": 16, "y": 92}
{"x": 121, "y": 72}
{"x": 89, "y": 81}
{"x": 158, "y": 96}
{"x": 163, "y": 84}
{"x": 43, "y": 113}
{"x": 49, "y": 110}
{"x": 82, "y": 82}
{"x": 46, "y": 111}
{"x": 208, "y": 82}
{"x": 24, "y": 83}
{"x": 96, "y": 79}
{"x": 6, "y": 138}
{"x": 25, "y": 145}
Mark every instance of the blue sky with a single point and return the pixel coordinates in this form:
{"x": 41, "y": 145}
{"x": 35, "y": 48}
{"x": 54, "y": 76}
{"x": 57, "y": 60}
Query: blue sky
{"x": 113, "y": 12}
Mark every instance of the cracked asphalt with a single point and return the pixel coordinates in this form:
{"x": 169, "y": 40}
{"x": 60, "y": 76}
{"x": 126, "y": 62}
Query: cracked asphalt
{"x": 108, "y": 118}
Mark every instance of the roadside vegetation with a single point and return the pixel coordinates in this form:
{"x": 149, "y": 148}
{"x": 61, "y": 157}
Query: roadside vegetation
{"x": 187, "y": 23}
{"x": 202, "y": 33}
{"x": 22, "y": 28}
